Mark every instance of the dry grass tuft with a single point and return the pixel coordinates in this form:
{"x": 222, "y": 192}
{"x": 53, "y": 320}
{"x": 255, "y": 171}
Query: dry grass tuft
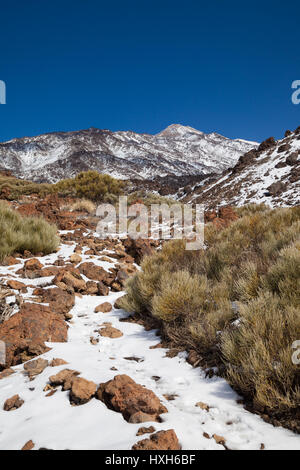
{"x": 19, "y": 234}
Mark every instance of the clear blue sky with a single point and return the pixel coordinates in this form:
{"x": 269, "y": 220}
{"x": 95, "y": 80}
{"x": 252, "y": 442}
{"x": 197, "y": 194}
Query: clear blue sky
{"x": 224, "y": 66}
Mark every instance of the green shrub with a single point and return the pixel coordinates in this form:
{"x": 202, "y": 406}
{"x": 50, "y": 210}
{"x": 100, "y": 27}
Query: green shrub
{"x": 14, "y": 188}
{"x": 259, "y": 356}
{"x": 19, "y": 234}
{"x": 236, "y": 301}
{"x": 90, "y": 185}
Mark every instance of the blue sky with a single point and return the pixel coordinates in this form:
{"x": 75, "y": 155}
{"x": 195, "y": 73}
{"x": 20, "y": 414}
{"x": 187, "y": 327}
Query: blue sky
{"x": 223, "y": 66}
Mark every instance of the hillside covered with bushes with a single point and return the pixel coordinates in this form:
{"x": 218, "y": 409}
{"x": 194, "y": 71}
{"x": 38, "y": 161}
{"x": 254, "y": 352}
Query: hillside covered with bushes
{"x": 235, "y": 305}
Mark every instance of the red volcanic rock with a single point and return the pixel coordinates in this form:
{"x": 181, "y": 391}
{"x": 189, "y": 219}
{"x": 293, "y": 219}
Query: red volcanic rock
{"x": 122, "y": 394}
{"x": 162, "y": 440}
{"x": 93, "y": 272}
{"x": 138, "y": 248}
{"x": 25, "y": 332}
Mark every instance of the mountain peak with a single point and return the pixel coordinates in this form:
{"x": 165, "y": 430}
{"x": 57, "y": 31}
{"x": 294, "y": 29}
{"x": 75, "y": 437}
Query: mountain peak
{"x": 178, "y": 129}
{"x": 176, "y": 151}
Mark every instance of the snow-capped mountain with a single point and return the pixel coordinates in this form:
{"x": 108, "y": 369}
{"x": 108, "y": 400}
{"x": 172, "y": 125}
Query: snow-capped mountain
{"x": 178, "y": 150}
{"x": 269, "y": 174}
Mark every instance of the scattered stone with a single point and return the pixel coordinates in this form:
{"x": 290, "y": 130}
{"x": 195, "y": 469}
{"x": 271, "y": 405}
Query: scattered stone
{"x": 16, "y": 285}
{"x": 10, "y": 261}
{"x": 33, "y": 265}
{"x": 140, "y": 417}
{"x": 75, "y": 258}
{"x": 36, "y": 367}
{"x": 104, "y": 308}
{"x": 132, "y": 358}
{"x": 122, "y": 277}
{"x": 28, "y": 446}
{"x": 67, "y": 279}
{"x": 110, "y": 332}
{"x": 65, "y": 378}
{"x": 172, "y": 353}
{"x": 57, "y": 362}
{"x": 103, "y": 289}
{"x": 193, "y": 358}
{"x": 93, "y": 272}
{"x": 116, "y": 287}
{"x": 122, "y": 394}
{"x": 207, "y": 436}
{"x": 6, "y": 373}
{"x": 171, "y": 397}
{"x": 82, "y": 391}
{"x": 94, "y": 341}
{"x": 118, "y": 303}
{"x": 156, "y": 378}
{"x": 219, "y": 439}
{"x": 156, "y": 346}
{"x": 162, "y": 440}
{"x": 202, "y": 405}
{"x": 138, "y": 249}
{"x": 91, "y": 288}
{"x": 13, "y": 403}
{"x": 52, "y": 392}
{"x": 143, "y": 430}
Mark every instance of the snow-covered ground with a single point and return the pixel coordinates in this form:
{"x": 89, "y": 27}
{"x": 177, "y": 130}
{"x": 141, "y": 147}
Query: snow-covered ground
{"x": 52, "y": 423}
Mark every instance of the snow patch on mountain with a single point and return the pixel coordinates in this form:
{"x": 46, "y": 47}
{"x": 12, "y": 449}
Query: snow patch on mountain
{"x": 178, "y": 150}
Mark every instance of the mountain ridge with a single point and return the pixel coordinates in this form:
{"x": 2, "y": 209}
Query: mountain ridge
{"x": 177, "y": 151}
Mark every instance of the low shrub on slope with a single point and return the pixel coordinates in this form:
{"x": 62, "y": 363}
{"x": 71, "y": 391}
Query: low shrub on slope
{"x": 18, "y": 234}
{"x": 237, "y": 304}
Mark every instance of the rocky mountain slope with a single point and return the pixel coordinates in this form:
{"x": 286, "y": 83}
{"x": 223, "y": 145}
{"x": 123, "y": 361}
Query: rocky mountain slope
{"x": 177, "y": 151}
{"x": 269, "y": 174}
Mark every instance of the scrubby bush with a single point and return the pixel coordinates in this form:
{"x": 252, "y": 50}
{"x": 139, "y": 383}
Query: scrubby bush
{"x": 258, "y": 354}
{"x": 90, "y": 185}
{"x": 148, "y": 198}
{"x": 13, "y": 188}
{"x": 236, "y": 302}
{"x": 84, "y": 205}
{"x": 19, "y": 234}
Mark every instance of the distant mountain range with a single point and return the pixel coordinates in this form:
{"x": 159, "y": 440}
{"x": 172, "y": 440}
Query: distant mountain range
{"x": 176, "y": 151}
{"x": 269, "y": 174}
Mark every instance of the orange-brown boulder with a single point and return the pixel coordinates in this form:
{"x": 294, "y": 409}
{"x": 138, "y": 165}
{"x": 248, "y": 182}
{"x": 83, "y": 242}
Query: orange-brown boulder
{"x": 33, "y": 265}
{"x": 110, "y": 332}
{"x": 82, "y": 391}
{"x": 28, "y": 446}
{"x": 122, "y": 394}
{"x": 70, "y": 279}
{"x": 36, "y": 367}
{"x": 25, "y": 333}
{"x": 104, "y": 308}
{"x": 138, "y": 248}
{"x": 93, "y": 272}
{"x": 59, "y": 300}
{"x": 65, "y": 378}
{"x": 13, "y": 403}
{"x": 161, "y": 440}
{"x": 10, "y": 261}
{"x": 16, "y": 285}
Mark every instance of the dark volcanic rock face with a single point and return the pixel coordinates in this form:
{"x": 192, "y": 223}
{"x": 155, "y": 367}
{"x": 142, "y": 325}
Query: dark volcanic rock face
{"x": 177, "y": 151}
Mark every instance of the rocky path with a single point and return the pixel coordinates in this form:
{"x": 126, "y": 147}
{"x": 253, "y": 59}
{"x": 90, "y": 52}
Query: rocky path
{"x": 48, "y": 418}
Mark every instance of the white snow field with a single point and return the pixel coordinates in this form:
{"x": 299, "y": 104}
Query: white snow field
{"x": 52, "y": 423}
